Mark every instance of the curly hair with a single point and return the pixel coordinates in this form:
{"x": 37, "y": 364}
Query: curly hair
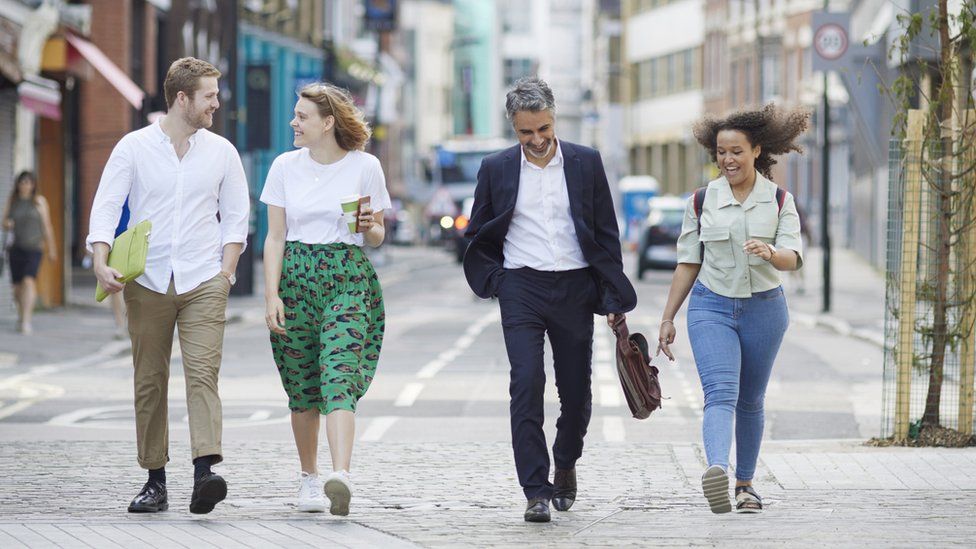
{"x": 774, "y": 129}
{"x": 352, "y": 132}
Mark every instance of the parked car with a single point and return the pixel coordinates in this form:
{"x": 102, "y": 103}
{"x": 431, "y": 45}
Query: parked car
{"x": 460, "y": 225}
{"x": 657, "y": 247}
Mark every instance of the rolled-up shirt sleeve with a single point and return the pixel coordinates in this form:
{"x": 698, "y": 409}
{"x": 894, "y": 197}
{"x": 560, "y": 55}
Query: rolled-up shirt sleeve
{"x": 113, "y": 189}
{"x": 235, "y": 202}
{"x": 788, "y": 229}
{"x": 689, "y": 246}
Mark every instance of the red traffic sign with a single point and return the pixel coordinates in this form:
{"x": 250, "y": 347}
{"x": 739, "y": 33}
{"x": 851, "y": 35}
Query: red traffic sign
{"x": 830, "y": 41}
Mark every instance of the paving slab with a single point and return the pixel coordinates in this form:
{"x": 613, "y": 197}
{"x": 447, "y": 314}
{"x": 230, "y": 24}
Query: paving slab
{"x": 818, "y": 493}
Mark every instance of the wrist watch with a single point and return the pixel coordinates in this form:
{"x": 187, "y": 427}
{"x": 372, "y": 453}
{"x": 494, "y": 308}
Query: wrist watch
{"x": 231, "y": 277}
{"x": 772, "y": 251}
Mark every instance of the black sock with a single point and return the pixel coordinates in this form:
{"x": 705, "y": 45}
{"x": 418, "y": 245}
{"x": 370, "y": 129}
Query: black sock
{"x": 158, "y": 475}
{"x": 201, "y": 466}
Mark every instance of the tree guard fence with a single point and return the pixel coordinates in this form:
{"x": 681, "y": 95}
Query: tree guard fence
{"x": 930, "y": 342}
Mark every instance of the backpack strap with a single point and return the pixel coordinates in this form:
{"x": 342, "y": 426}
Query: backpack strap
{"x": 699, "y": 205}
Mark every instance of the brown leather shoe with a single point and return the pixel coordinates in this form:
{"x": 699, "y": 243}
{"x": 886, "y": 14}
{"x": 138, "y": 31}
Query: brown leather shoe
{"x": 564, "y": 489}
{"x": 537, "y": 510}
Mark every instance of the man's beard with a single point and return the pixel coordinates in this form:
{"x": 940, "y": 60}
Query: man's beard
{"x": 198, "y": 120}
{"x": 543, "y": 154}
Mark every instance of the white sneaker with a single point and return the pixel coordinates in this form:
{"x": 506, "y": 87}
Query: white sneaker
{"x": 310, "y": 498}
{"x": 338, "y": 488}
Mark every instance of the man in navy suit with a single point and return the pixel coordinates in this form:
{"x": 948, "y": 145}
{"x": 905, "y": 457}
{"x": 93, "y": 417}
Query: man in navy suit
{"x": 544, "y": 240}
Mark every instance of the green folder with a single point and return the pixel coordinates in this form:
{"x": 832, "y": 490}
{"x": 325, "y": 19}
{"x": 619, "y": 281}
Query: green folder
{"x": 128, "y": 255}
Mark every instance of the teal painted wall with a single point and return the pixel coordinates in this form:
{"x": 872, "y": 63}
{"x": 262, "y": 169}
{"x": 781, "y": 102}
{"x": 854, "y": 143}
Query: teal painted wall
{"x": 474, "y": 33}
{"x": 289, "y": 69}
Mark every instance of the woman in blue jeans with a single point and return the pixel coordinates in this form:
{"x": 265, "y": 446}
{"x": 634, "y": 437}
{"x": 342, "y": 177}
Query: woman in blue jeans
{"x": 738, "y": 233}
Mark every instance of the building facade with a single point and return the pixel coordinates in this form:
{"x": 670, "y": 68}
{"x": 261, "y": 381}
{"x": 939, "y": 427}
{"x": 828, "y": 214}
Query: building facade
{"x": 662, "y": 76}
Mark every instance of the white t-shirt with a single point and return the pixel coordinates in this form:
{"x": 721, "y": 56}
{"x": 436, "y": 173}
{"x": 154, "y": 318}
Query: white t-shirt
{"x": 310, "y": 193}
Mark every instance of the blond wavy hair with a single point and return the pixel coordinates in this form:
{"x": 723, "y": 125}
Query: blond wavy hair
{"x": 352, "y": 132}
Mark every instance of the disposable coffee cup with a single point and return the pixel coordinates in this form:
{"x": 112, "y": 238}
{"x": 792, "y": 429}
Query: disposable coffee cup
{"x": 350, "y": 211}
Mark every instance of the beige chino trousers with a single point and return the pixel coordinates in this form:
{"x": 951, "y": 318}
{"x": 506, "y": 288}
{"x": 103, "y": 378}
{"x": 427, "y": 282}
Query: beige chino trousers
{"x": 200, "y": 316}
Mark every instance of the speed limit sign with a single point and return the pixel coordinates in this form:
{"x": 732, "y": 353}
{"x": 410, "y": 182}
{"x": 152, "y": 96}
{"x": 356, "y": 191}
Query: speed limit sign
{"x": 830, "y": 41}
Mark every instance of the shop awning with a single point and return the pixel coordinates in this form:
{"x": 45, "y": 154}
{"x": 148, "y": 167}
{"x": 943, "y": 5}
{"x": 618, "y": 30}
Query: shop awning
{"x": 41, "y": 95}
{"x": 101, "y": 63}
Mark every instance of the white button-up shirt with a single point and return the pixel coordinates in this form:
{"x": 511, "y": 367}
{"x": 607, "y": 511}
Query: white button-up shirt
{"x": 541, "y": 235}
{"x": 180, "y": 197}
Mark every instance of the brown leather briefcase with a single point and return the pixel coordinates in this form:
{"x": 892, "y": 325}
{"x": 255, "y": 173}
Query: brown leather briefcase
{"x": 637, "y": 376}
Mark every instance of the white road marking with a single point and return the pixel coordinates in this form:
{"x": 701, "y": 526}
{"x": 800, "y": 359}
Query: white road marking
{"x": 259, "y": 415}
{"x": 28, "y": 393}
{"x": 71, "y": 418}
{"x": 604, "y": 370}
{"x": 689, "y": 391}
{"x": 377, "y": 428}
{"x": 447, "y": 356}
{"x": 432, "y": 368}
{"x": 7, "y": 359}
{"x": 613, "y": 429}
{"x": 122, "y": 416}
{"x": 610, "y": 396}
{"x": 409, "y": 394}
{"x": 39, "y": 392}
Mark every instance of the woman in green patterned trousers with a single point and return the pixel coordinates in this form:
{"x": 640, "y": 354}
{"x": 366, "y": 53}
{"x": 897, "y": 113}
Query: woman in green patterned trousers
{"x": 324, "y": 303}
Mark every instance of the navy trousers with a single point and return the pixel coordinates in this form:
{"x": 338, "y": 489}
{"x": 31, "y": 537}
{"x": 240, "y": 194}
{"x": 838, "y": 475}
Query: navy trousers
{"x": 560, "y": 304}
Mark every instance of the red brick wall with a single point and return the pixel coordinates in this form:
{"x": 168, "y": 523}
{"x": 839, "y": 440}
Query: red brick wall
{"x": 105, "y": 116}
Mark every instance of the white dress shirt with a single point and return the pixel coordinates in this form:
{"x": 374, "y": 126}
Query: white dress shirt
{"x": 182, "y": 199}
{"x": 541, "y": 235}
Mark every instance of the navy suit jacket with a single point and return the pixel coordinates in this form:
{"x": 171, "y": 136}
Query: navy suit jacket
{"x": 590, "y": 204}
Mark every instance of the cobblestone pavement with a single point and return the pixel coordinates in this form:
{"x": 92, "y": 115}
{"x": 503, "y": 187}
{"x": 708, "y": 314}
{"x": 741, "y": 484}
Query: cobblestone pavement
{"x": 442, "y": 495}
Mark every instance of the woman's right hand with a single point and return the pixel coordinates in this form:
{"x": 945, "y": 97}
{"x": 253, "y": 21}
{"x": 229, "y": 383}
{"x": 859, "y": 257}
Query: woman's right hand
{"x": 274, "y": 314}
{"x": 8, "y": 225}
{"x": 665, "y": 339}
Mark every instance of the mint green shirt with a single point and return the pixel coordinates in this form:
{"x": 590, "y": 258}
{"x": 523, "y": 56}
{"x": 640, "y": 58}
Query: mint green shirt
{"x": 726, "y": 225}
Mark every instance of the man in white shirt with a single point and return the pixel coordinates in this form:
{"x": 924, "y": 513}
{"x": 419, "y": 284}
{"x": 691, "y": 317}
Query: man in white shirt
{"x": 179, "y": 176}
{"x": 544, "y": 240}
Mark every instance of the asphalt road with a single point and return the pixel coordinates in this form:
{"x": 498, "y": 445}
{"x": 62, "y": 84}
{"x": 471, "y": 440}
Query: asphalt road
{"x": 443, "y": 376}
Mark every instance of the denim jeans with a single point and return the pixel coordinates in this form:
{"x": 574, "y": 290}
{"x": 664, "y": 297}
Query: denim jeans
{"x": 735, "y": 341}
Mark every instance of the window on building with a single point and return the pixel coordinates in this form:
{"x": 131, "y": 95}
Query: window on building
{"x": 514, "y": 20}
{"x": 639, "y": 6}
{"x": 613, "y": 86}
{"x": 635, "y": 81}
{"x": 771, "y": 72}
{"x": 688, "y": 68}
{"x": 518, "y": 68}
{"x": 656, "y": 80}
{"x": 735, "y": 82}
{"x": 792, "y": 76}
{"x": 681, "y": 182}
{"x": 748, "y": 79}
{"x": 672, "y": 73}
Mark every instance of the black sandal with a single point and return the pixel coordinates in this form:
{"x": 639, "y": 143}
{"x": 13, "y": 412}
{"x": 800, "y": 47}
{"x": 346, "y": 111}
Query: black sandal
{"x": 747, "y": 500}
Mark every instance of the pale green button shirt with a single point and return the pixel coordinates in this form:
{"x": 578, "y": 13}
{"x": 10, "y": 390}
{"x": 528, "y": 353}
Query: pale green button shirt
{"x": 726, "y": 225}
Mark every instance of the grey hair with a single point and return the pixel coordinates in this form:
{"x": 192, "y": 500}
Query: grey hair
{"x": 529, "y": 94}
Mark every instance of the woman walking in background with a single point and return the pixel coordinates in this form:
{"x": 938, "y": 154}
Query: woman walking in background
{"x": 324, "y": 304}
{"x": 737, "y": 234}
{"x": 27, "y": 216}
